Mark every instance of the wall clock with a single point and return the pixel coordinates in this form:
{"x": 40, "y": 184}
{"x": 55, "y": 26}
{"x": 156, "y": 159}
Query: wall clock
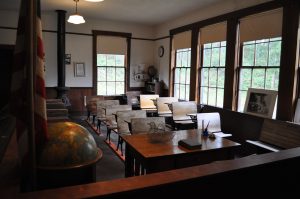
{"x": 161, "y": 51}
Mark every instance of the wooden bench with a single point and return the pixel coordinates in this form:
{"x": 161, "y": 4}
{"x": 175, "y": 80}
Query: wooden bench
{"x": 277, "y": 135}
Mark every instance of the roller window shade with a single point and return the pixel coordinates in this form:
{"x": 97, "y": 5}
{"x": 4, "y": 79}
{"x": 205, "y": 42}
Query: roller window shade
{"x": 213, "y": 33}
{"x": 182, "y": 40}
{"x": 261, "y": 26}
{"x": 111, "y": 45}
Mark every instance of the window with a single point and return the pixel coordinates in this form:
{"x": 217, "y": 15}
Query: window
{"x": 182, "y": 74}
{"x": 260, "y": 63}
{"x": 110, "y": 74}
{"x": 111, "y": 62}
{"x": 213, "y": 73}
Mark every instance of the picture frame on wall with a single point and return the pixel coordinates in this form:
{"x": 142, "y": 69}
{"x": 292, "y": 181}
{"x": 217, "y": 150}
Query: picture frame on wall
{"x": 79, "y": 69}
{"x": 260, "y": 102}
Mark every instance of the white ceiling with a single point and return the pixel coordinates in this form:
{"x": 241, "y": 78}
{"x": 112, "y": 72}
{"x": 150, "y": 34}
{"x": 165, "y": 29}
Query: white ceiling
{"x": 149, "y": 12}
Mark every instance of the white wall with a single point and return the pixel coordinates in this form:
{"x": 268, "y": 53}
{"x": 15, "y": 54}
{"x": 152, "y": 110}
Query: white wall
{"x": 142, "y": 51}
{"x": 80, "y": 46}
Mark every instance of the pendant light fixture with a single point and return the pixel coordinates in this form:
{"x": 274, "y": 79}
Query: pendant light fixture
{"x": 94, "y": 0}
{"x": 76, "y": 18}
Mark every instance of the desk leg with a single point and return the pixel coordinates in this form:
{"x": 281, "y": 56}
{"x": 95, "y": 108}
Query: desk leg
{"x": 129, "y": 161}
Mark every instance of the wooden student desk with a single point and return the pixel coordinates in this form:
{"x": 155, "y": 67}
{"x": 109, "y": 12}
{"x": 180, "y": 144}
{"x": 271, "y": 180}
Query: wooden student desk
{"x": 143, "y": 156}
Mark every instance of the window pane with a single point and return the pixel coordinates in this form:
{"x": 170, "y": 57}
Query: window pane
{"x": 272, "y": 78}
{"x": 111, "y": 60}
{"x": 182, "y": 92}
{"x": 274, "y": 53}
{"x": 182, "y": 75}
{"x": 178, "y": 59}
{"x": 189, "y": 58}
{"x": 207, "y": 45}
{"x": 176, "y": 90}
{"x": 261, "y": 54}
{"x": 101, "y": 88}
{"x": 111, "y": 74}
{"x": 245, "y": 79}
{"x": 220, "y": 97}
{"x": 188, "y": 75}
{"x": 187, "y": 92}
{"x": 212, "y": 96}
{"x": 203, "y": 99}
{"x": 248, "y": 55}
{"x": 120, "y": 60}
{"x": 242, "y": 100}
{"x": 120, "y": 74}
{"x": 216, "y": 44}
{"x": 221, "y": 77}
{"x": 101, "y": 74}
{"x": 213, "y": 77}
{"x": 177, "y": 75}
{"x": 184, "y": 59}
{"x": 215, "y": 59}
{"x": 223, "y": 56}
{"x": 258, "y": 78}
{"x": 111, "y": 88}
{"x": 120, "y": 88}
{"x": 204, "y": 77}
{"x": 206, "y": 57}
{"x": 101, "y": 60}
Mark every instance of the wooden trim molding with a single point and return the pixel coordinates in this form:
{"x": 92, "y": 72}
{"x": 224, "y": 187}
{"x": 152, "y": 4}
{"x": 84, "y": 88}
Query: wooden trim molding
{"x": 230, "y": 85}
{"x": 127, "y": 69}
{"x": 194, "y": 66}
{"x": 289, "y": 61}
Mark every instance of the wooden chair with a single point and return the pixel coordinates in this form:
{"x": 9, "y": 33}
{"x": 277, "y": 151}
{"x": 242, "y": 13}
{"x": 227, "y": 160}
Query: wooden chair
{"x": 90, "y": 103}
{"x": 142, "y": 125}
{"x": 146, "y": 101}
{"x": 214, "y": 123}
{"x": 101, "y": 108}
{"x": 111, "y": 117}
{"x": 162, "y": 106}
{"x": 123, "y": 117}
{"x": 181, "y": 111}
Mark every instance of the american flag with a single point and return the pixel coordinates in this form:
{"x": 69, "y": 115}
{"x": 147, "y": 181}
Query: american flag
{"x": 28, "y": 94}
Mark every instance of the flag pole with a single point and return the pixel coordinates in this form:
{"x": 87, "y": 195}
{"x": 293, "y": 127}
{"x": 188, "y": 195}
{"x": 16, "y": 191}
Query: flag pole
{"x": 31, "y": 77}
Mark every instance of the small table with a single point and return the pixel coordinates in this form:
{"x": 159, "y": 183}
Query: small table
{"x": 144, "y": 156}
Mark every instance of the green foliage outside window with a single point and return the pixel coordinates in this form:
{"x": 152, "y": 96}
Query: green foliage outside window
{"x": 260, "y": 67}
{"x": 110, "y": 74}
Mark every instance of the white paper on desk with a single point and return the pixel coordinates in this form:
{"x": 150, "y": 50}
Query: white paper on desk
{"x": 297, "y": 112}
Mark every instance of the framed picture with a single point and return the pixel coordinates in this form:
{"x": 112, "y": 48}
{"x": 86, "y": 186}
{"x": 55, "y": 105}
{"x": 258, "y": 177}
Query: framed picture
{"x": 260, "y": 102}
{"x": 79, "y": 69}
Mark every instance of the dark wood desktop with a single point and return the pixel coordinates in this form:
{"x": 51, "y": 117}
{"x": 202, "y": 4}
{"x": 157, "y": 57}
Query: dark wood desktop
{"x": 144, "y": 156}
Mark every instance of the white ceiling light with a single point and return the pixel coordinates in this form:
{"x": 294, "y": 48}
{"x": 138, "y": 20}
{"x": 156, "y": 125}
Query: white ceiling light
{"x": 76, "y": 18}
{"x": 94, "y": 0}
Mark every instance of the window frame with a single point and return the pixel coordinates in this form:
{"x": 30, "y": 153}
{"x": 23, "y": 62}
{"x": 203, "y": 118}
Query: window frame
{"x": 128, "y": 37}
{"x": 174, "y": 74}
{"x": 200, "y": 71}
{"x": 113, "y": 67}
{"x": 265, "y": 68}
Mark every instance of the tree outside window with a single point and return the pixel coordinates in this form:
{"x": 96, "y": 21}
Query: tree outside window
{"x": 259, "y": 68}
{"x": 111, "y": 74}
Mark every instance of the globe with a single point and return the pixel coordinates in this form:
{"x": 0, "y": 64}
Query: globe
{"x": 70, "y": 145}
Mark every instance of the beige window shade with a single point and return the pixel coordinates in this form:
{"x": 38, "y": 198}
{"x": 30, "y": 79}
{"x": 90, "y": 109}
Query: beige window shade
{"x": 111, "y": 45}
{"x": 261, "y": 26}
{"x": 213, "y": 33}
{"x": 182, "y": 40}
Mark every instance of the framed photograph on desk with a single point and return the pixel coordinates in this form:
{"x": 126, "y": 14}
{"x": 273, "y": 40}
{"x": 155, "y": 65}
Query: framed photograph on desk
{"x": 260, "y": 102}
{"x": 79, "y": 69}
